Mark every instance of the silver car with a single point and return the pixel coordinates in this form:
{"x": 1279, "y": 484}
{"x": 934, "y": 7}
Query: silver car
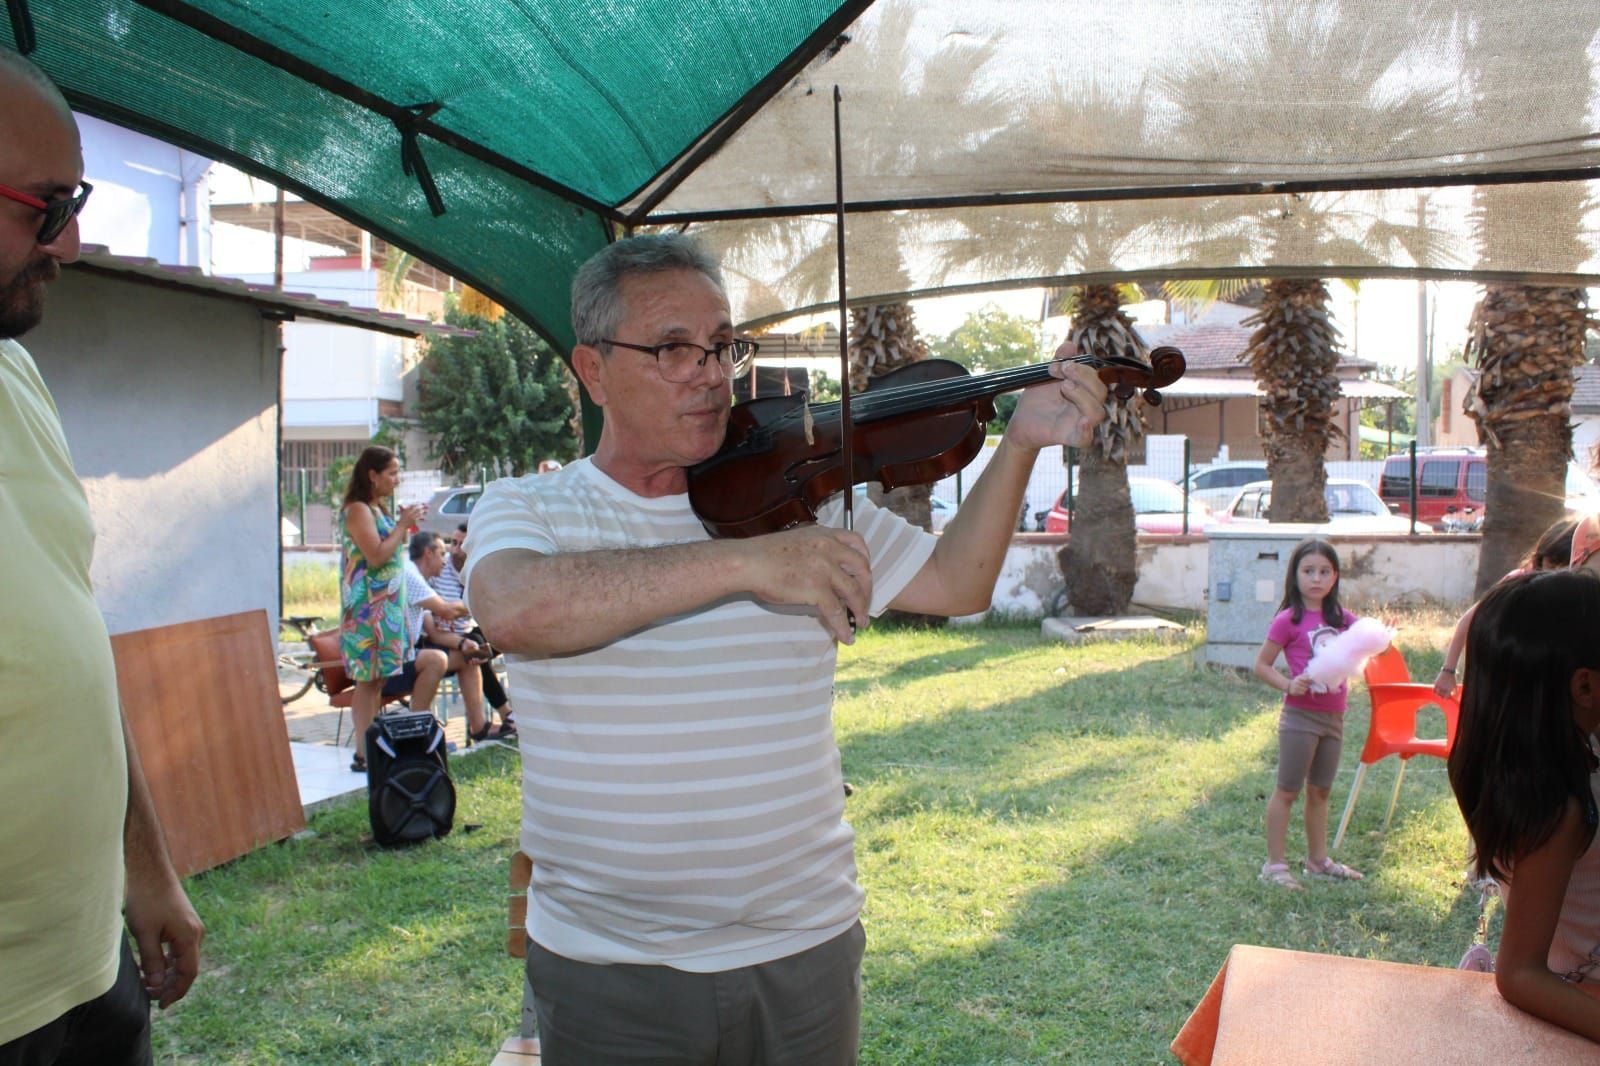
{"x": 448, "y": 508}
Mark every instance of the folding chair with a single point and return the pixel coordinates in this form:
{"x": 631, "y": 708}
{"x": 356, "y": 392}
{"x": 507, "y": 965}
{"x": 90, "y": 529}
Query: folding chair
{"x": 1396, "y": 699}
{"x": 333, "y": 682}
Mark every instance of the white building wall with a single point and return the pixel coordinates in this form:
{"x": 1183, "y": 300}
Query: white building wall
{"x": 169, "y": 404}
{"x": 149, "y": 198}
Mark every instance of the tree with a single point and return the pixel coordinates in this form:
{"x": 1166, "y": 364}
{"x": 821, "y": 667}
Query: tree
{"x": 499, "y": 399}
{"x": 1526, "y": 340}
{"x": 1294, "y": 348}
{"x": 990, "y": 339}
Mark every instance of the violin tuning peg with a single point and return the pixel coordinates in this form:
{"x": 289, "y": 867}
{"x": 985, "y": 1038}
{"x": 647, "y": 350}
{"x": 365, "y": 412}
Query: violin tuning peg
{"x": 1152, "y": 397}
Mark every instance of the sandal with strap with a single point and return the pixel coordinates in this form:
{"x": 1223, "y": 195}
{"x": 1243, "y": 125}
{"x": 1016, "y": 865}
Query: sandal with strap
{"x": 1277, "y": 873}
{"x": 358, "y": 765}
{"x": 1329, "y": 870}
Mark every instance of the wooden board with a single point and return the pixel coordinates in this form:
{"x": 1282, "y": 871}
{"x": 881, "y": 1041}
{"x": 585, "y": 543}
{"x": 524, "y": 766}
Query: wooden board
{"x": 203, "y": 706}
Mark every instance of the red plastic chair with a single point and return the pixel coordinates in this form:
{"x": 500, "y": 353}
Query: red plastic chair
{"x": 332, "y": 680}
{"x": 1396, "y": 699}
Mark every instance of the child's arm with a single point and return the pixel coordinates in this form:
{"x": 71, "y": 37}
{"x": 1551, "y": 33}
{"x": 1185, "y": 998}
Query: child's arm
{"x": 1445, "y": 683}
{"x": 1266, "y": 671}
{"x": 1538, "y": 887}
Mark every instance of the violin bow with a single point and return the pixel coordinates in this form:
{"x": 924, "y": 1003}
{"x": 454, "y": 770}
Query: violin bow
{"x": 845, "y": 442}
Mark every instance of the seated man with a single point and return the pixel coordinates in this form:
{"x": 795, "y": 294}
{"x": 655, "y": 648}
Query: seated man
{"x": 463, "y": 635}
{"x": 425, "y": 667}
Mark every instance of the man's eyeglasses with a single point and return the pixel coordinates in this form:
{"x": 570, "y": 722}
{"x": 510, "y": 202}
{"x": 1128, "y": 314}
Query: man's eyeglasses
{"x": 679, "y": 360}
{"x": 57, "y": 213}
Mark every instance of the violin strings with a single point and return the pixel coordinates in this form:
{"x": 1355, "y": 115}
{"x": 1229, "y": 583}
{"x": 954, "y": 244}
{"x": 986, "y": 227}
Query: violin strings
{"x": 902, "y": 398}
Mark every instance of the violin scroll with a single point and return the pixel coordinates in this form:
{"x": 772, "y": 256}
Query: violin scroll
{"x": 1126, "y": 376}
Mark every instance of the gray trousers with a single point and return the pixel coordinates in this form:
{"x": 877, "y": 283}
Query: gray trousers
{"x": 803, "y": 1010}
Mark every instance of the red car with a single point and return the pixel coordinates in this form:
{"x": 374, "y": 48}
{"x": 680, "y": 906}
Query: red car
{"x": 1157, "y": 509}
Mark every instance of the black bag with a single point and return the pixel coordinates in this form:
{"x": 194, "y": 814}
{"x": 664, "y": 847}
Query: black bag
{"x": 409, "y": 793}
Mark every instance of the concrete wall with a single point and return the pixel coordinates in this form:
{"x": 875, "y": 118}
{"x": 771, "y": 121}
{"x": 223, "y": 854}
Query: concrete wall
{"x": 169, "y": 400}
{"x": 1174, "y": 572}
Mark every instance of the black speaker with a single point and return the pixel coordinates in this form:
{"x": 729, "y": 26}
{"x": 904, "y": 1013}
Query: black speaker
{"x": 409, "y": 793}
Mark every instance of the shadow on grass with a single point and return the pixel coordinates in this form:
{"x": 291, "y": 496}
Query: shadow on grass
{"x": 421, "y": 948}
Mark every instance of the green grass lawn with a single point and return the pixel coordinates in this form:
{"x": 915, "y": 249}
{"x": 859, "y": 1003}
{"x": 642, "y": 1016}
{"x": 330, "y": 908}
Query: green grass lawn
{"x": 1059, "y": 845}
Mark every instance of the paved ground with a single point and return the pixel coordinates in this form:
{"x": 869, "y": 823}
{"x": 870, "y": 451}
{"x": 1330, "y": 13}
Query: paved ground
{"x": 313, "y": 721}
{"x": 322, "y": 770}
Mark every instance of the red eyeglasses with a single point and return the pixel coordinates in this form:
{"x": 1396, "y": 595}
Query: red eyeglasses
{"x": 57, "y": 213}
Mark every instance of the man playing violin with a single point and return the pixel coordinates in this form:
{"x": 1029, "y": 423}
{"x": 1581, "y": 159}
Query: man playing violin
{"x": 694, "y": 895}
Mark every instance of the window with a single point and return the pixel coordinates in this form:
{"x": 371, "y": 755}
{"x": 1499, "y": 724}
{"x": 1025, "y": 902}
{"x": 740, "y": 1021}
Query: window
{"x": 1243, "y": 475}
{"x": 1247, "y": 507}
{"x": 1439, "y": 478}
{"x": 1477, "y": 481}
{"x": 1396, "y": 482}
{"x": 460, "y": 503}
{"x": 1210, "y": 479}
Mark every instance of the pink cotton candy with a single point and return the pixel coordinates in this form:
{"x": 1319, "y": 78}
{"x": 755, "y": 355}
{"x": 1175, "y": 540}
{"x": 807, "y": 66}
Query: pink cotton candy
{"x": 1342, "y": 657}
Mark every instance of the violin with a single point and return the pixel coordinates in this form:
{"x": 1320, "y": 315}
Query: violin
{"x": 782, "y": 457}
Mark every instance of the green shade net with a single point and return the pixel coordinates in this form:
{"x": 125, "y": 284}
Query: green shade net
{"x": 566, "y": 108}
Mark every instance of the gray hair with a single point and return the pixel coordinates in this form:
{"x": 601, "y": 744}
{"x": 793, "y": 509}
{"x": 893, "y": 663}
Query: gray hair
{"x": 421, "y": 541}
{"x": 597, "y": 289}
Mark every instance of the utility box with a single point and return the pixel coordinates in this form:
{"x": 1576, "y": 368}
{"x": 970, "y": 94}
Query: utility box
{"x": 1244, "y": 587}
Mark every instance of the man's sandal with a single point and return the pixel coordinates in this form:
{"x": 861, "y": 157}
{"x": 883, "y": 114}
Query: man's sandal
{"x": 1277, "y": 873}
{"x": 1329, "y": 870}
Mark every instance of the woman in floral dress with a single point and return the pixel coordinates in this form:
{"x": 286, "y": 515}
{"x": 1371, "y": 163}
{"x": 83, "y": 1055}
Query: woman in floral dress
{"x": 372, "y": 617}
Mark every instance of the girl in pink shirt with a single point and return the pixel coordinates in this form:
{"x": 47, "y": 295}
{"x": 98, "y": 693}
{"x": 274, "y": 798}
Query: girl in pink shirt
{"x": 1311, "y": 724}
{"x": 1524, "y": 772}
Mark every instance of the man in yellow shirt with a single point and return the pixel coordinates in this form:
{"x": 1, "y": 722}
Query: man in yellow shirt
{"x": 79, "y": 840}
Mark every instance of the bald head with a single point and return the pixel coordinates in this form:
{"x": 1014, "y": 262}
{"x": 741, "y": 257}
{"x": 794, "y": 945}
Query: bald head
{"x": 41, "y": 162}
{"x": 18, "y": 73}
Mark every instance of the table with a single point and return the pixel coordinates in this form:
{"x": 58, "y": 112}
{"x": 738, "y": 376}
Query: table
{"x": 1272, "y": 1006}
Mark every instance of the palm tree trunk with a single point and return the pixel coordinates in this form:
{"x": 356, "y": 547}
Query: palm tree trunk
{"x": 883, "y": 337}
{"x": 1293, "y": 352}
{"x": 1525, "y": 341}
{"x": 1101, "y": 561}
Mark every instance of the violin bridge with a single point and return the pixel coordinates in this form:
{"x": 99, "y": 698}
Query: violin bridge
{"x": 806, "y": 421}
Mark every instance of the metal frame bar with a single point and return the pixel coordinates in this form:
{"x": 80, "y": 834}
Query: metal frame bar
{"x": 1153, "y": 274}
{"x": 272, "y": 55}
{"x": 184, "y": 139}
{"x": 1137, "y": 192}
{"x": 744, "y": 109}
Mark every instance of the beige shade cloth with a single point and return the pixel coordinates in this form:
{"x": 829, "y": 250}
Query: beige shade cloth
{"x": 1270, "y": 1006}
{"x": 1040, "y": 142}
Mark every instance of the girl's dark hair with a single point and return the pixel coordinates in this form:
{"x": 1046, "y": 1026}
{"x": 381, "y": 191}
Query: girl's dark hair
{"x": 1519, "y": 756}
{"x": 1332, "y": 611}
{"x": 374, "y": 460}
{"x": 1554, "y": 549}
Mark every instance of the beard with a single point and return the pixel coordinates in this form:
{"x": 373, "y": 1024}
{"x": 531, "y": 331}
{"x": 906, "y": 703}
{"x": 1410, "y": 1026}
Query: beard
{"x": 22, "y": 298}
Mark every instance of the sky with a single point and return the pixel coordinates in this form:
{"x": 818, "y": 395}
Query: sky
{"x": 1378, "y": 322}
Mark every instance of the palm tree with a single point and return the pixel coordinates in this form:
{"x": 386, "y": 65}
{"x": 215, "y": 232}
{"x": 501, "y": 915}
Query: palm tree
{"x": 1295, "y": 347}
{"x": 882, "y": 337}
{"x": 1100, "y": 563}
{"x": 1526, "y": 340}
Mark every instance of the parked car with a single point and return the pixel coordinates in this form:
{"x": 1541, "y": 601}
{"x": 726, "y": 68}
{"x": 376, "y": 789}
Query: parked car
{"x": 448, "y": 508}
{"x": 1352, "y": 508}
{"x": 1450, "y": 481}
{"x": 1157, "y": 509}
{"x": 1216, "y": 485}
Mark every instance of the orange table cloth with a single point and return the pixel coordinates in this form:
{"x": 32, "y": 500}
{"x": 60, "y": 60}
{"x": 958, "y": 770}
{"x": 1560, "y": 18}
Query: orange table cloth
{"x": 1271, "y": 1006}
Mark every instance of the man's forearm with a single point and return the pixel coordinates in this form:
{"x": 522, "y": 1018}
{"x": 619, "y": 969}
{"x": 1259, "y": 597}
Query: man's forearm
{"x": 535, "y": 604}
{"x": 144, "y": 845}
{"x": 973, "y": 547}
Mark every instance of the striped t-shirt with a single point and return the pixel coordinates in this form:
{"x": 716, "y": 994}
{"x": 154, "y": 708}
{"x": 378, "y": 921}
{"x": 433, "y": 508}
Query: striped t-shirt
{"x": 682, "y": 797}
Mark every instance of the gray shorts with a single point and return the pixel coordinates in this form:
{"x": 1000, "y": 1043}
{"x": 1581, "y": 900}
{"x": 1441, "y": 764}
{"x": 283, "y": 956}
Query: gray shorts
{"x": 1309, "y": 746}
{"x": 804, "y": 1010}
